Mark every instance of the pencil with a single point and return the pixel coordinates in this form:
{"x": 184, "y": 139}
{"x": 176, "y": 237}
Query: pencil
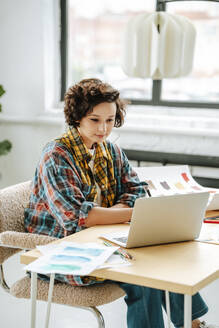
{"x": 212, "y": 219}
{"x": 120, "y": 251}
{"x": 148, "y": 192}
{"x": 147, "y": 189}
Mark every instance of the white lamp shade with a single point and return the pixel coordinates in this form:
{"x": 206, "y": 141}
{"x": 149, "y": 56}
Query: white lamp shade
{"x": 158, "y": 45}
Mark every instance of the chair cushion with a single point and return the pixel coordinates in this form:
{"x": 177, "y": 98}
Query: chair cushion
{"x": 93, "y": 295}
{"x": 24, "y": 240}
{"x": 20, "y": 240}
{"x": 13, "y": 201}
{"x": 5, "y": 253}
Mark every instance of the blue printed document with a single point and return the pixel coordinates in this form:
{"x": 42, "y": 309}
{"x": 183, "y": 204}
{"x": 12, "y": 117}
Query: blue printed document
{"x": 71, "y": 258}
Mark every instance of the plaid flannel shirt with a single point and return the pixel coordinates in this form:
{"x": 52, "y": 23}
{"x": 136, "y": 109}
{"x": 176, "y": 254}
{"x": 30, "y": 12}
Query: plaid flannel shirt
{"x": 58, "y": 203}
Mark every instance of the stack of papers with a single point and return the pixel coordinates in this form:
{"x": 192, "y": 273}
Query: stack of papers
{"x": 74, "y": 258}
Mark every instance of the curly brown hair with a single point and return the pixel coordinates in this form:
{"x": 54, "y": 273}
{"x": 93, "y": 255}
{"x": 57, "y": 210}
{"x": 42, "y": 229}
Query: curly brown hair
{"x": 81, "y": 98}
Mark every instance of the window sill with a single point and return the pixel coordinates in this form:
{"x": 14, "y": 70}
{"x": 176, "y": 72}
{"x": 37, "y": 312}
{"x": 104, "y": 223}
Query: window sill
{"x": 35, "y": 120}
{"x": 175, "y": 121}
{"x": 153, "y": 120}
{"x": 169, "y": 130}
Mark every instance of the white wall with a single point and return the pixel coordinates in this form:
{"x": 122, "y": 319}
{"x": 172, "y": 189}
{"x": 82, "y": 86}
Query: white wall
{"x": 22, "y": 62}
{"x": 21, "y": 65}
{"x": 28, "y": 141}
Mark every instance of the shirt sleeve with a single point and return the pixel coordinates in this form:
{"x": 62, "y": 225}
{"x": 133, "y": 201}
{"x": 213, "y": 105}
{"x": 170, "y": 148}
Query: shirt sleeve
{"x": 130, "y": 186}
{"x": 65, "y": 194}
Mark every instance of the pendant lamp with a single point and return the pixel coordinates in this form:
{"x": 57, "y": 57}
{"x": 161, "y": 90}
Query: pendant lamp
{"x": 158, "y": 45}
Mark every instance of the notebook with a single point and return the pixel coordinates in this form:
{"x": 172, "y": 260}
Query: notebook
{"x": 164, "y": 219}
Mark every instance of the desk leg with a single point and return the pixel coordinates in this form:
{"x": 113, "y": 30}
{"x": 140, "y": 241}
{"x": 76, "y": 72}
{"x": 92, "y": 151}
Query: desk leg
{"x": 51, "y": 284}
{"x": 187, "y": 311}
{"x": 33, "y": 298}
{"x": 168, "y": 308}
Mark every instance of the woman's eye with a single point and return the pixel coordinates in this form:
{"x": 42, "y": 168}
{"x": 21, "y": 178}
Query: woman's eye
{"x": 94, "y": 119}
{"x": 110, "y": 120}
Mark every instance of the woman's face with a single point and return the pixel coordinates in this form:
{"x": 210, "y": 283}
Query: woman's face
{"x": 97, "y": 125}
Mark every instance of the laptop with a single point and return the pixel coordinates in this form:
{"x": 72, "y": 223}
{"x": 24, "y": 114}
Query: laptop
{"x": 164, "y": 219}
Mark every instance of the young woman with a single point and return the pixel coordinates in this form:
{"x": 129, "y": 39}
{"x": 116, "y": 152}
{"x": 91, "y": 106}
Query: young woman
{"x": 84, "y": 180}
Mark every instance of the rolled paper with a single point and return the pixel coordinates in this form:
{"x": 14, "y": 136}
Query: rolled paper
{"x": 138, "y": 45}
{"x": 127, "y": 61}
{"x": 158, "y": 45}
{"x": 143, "y": 40}
{"x": 144, "y": 45}
{"x": 189, "y": 37}
{"x": 170, "y": 46}
{"x": 155, "y": 48}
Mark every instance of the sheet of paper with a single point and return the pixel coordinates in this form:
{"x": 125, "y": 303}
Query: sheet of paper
{"x": 209, "y": 233}
{"x": 71, "y": 258}
{"x": 176, "y": 179}
{"x": 115, "y": 260}
{"x": 46, "y": 249}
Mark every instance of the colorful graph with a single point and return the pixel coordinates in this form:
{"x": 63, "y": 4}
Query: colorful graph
{"x": 61, "y": 267}
{"x": 151, "y": 185}
{"x": 196, "y": 188}
{"x": 64, "y": 258}
{"x": 91, "y": 251}
{"x": 165, "y": 185}
{"x": 179, "y": 186}
{"x": 185, "y": 176}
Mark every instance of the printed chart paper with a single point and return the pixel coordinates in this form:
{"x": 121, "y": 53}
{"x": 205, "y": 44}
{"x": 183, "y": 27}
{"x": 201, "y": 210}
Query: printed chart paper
{"x": 71, "y": 258}
{"x": 115, "y": 260}
{"x": 172, "y": 180}
{"x": 209, "y": 233}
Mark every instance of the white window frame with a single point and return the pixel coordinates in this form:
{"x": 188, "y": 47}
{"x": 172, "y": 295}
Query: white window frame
{"x": 52, "y": 57}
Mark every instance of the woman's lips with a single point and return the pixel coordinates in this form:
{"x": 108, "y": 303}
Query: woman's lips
{"x": 100, "y": 135}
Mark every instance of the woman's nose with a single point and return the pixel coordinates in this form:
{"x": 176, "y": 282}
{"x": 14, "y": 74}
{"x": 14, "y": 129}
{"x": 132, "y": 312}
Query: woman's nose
{"x": 102, "y": 127}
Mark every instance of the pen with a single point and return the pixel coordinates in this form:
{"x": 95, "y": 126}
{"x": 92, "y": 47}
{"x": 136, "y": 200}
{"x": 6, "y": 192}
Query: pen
{"x": 120, "y": 251}
{"x": 212, "y": 219}
{"x": 148, "y": 191}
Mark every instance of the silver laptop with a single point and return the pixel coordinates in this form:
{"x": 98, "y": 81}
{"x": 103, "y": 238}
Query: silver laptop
{"x": 165, "y": 219}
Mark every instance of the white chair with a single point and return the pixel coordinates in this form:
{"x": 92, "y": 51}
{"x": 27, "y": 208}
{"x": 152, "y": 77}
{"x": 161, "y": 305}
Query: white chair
{"x": 13, "y": 239}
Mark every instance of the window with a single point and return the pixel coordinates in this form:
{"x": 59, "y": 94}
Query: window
{"x": 94, "y": 43}
{"x": 202, "y": 84}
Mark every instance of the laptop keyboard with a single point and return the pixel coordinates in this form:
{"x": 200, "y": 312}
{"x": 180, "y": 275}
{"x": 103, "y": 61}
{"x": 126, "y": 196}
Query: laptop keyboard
{"x": 121, "y": 239}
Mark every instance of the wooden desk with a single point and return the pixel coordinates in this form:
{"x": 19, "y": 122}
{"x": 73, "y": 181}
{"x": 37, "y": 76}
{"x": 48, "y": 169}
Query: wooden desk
{"x": 180, "y": 267}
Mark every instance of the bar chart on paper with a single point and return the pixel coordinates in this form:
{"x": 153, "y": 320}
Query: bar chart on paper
{"x": 172, "y": 180}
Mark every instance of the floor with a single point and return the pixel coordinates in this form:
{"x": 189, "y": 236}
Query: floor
{"x": 15, "y": 312}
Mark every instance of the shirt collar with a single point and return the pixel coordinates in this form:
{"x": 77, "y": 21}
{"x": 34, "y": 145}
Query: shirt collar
{"x": 80, "y": 149}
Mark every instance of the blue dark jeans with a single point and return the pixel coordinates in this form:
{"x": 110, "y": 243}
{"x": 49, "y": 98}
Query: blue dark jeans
{"x": 145, "y": 307}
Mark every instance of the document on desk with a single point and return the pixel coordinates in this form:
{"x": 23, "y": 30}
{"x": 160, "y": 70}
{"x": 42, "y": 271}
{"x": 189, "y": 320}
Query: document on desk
{"x": 209, "y": 233}
{"x": 71, "y": 258}
{"x": 115, "y": 260}
{"x": 172, "y": 180}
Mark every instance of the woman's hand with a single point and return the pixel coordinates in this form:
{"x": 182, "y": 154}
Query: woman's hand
{"x": 118, "y": 213}
{"x": 120, "y": 205}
